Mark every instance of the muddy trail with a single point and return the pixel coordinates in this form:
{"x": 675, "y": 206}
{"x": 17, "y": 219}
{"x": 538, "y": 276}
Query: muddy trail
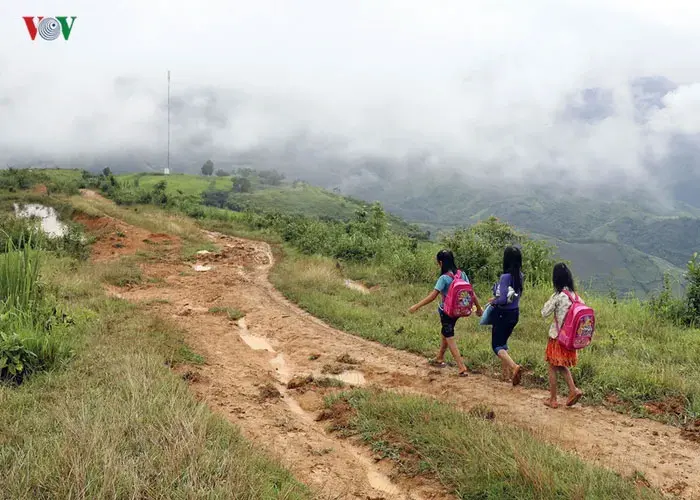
{"x": 250, "y": 361}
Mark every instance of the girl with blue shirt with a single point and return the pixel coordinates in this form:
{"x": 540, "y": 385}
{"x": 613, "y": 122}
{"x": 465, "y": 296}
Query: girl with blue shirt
{"x": 506, "y": 310}
{"x": 446, "y": 260}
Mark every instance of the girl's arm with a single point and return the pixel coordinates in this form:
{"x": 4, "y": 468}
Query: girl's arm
{"x": 549, "y": 306}
{"x": 427, "y": 300}
{"x": 502, "y": 291}
{"x": 479, "y": 310}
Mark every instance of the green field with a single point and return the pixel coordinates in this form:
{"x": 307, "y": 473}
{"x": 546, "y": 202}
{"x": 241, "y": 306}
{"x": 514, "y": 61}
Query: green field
{"x": 187, "y": 184}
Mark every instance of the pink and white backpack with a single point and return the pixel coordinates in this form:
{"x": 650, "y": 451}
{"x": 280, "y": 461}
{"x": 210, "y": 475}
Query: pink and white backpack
{"x": 460, "y": 299}
{"x": 579, "y": 324}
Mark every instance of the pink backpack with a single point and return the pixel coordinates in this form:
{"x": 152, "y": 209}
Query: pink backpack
{"x": 460, "y": 299}
{"x": 579, "y": 325}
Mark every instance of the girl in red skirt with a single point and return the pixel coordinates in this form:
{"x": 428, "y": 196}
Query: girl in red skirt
{"x": 559, "y": 358}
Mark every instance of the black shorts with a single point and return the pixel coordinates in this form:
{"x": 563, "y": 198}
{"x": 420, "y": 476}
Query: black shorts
{"x": 448, "y": 325}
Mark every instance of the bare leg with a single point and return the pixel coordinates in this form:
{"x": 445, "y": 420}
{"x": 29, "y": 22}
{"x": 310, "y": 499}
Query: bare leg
{"x": 507, "y": 360}
{"x": 505, "y": 370}
{"x": 515, "y": 368}
{"x": 452, "y": 344}
{"x": 552, "y": 401}
{"x": 574, "y": 392}
{"x": 443, "y": 347}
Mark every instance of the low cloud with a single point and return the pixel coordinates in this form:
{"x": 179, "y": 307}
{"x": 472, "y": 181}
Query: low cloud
{"x": 533, "y": 92}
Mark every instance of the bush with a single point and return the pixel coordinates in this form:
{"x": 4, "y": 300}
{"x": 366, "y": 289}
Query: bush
{"x": 15, "y": 358}
{"x": 692, "y": 292}
{"x": 681, "y": 311}
{"x": 479, "y": 252}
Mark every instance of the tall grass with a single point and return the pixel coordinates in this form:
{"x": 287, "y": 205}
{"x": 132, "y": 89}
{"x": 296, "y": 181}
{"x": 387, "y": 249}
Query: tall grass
{"x": 19, "y": 277}
{"x": 31, "y": 337}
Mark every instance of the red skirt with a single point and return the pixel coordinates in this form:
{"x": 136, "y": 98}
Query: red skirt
{"x": 557, "y": 355}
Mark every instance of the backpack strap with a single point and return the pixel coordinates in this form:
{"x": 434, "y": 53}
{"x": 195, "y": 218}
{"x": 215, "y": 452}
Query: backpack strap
{"x": 572, "y": 298}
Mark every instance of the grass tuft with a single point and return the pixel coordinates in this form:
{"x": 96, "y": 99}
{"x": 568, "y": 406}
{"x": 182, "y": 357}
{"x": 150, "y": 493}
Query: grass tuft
{"x": 471, "y": 456}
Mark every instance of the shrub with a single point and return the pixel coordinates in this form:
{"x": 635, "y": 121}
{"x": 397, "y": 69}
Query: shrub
{"x": 692, "y": 292}
{"x": 15, "y": 358}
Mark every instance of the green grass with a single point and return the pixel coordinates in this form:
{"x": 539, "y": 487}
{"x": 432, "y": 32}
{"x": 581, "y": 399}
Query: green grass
{"x": 232, "y": 313}
{"x": 124, "y": 272}
{"x": 118, "y": 423}
{"x": 634, "y": 356}
{"x": 472, "y": 457}
{"x": 187, "y": 184}
{"x": 107, "y": 417}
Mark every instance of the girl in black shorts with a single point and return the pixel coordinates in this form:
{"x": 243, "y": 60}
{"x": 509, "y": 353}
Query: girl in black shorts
{"x": 446, "y": 260}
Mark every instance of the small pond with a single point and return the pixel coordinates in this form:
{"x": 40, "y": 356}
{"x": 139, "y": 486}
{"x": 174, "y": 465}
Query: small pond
{"x": 47, "y": 215}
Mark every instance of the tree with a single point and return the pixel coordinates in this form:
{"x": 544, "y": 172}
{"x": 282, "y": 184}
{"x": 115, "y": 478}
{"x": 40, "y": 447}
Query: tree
{"x": 222, "y": 173}
{"x": 271, "y": 177}
{"x": 693, "y": 289}
{"x": 242, "y": 185}
{"x": 106, "y": 172}
{"x": 208, "y": 168}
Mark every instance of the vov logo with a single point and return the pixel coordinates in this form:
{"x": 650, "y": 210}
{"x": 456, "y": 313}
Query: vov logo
{"x": 49, "y": 28}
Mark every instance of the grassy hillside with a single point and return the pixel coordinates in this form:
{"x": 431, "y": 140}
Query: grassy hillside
{"x": 612, "y": 267}
{"x": 187, "y": 184}
{"x": 670, "y": 238}
{"x": 621, "y": 241}
{"x": 110, "y": 419}
{"x": 287, "y": 197}
{"x": 90, "y": 406}
{"x": 640, "y": 358}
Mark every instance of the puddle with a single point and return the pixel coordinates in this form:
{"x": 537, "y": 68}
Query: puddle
{"x": 354, "y": 285}
{"x": 351, "y": 377}
{"x": 253, "y": 341}
{"x": 48, "y": 215}
{"x": 294, "y": 406}
{"x": 379, "y": 481}
{"x": 256, "y": 343}
{"x": 198, "y": 267}
{"x": 282, "y": 370}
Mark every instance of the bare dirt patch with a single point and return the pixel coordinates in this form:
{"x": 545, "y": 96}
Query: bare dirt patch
{"x": 669, "y": 406}
{"x": 692, "y": 431}
{"x": 116, "y": 238}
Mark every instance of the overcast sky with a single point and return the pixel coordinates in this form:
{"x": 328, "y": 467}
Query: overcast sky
{"x": 485, "y": 82}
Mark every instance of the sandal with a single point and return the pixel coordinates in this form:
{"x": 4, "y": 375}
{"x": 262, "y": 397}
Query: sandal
{"x": 437, "y": 364}
{"x": 517, "y": 374}
{"x": 464, "y": 373}
{"x": 548, "y": 402}
{"x": 574, "y": 399}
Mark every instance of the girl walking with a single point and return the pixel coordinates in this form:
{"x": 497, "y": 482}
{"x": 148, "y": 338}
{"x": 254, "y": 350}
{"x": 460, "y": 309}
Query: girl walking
{"x": 446, "y": 261}
{"x": 506, "y": 310}
{"x": 559, "y": 358}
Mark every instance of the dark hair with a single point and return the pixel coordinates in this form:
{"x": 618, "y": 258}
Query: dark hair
{"x": 512, "y": 264}
{"x": 447, "y": 261}
{"x": 562, "y": 277}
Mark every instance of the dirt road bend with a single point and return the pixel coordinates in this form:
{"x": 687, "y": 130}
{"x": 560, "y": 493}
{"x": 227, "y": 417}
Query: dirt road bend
{"x": 249, "y": 362}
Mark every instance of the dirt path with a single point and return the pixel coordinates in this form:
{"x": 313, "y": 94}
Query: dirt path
{"x": 249, "y": 362}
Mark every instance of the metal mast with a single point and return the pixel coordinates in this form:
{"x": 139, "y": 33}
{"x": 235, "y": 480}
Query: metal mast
{"x": 168, "y": 122}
